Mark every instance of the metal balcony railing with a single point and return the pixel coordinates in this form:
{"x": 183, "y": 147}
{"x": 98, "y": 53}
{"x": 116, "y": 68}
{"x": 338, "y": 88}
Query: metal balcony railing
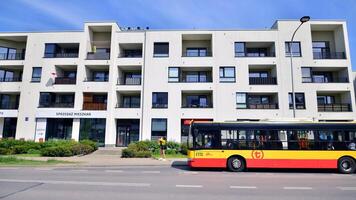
{"x": 96, "y": 79}
{"x": 94, "y": 106}
{"x": 98, "y": 56}
{"x": 197, "y": 79}
{"x": 61, "y": 55}
{"x": 9, "y": 105}
{"x": 197, "y": 105}
{"x": 132, "y": 105}
{"x": 12, "y": 56}
{"x": 56, "y": 105}
{"x": 197, "y": 54}
{"x": 263, "y": 80}
{"x": 329, "y": 55}
{"x": 12, "y": 79}
{"x": 258, "y": 106}
{"x": 341, "y": 107}
{"x": 129, "y": 81}
{"x": 257, "y": 54}
{"x": 65, "y": 80}
{"x": 325, "y": 80}
{"x": 130, "y": 55}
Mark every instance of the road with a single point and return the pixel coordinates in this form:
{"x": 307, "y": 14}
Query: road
{"x": 166, "y": 182}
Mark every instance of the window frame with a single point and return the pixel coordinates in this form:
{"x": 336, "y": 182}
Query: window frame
{"x": 160, "y": 55}
{"x": 155, "y": 133}
{"x": 288, "y": 48}
{"x": 36, "y": 79}
{"x": 290, "y": 98}
{"x": 159, "y": 105}
{"x": 174, "y": 79}
{"x": 221, "y": 78}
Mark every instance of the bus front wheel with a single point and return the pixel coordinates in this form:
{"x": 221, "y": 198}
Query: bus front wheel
{"x": 346, "y": 165}
{"x": 236, "y": 164}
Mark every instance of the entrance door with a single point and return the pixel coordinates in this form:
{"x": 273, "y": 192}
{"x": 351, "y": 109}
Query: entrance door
{"x": 59, "y": 128}
{"x": 9, "y": 129}
{"x": 127, "y": 131}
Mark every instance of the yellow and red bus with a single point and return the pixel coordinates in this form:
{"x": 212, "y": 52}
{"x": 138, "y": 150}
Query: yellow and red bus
{"x": 238, "y": 146}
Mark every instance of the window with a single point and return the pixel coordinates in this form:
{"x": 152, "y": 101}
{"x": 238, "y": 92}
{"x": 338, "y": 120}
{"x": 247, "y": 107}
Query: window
{"x": 7, "y": 53}
{"x": 9, "y": 76}
{"x": 99, "y": 98}
{"x": 161, "y": 49}
{"x": 299, "y": 101}
{"x": 227, "y": 74}
{"x": 241, "y": 101}
{"x": 306, "y": 75}
{"x": 240, "y": 49}
{"x": 258, "y": 74}
{"x": 131, "y": 101}
{"x": 158, "y": 128}
{"x": 36, "y": 74}
{"x": 321, "y": 50}
{"x": 294, "y": 48}
{"x": 173, "y": 74}
{"x": 93, "y": 129}
{"x": 102, "y": 76}
{"x": 326, "y": 100}
{"x": 197, "y": 101}
{"x": 50, "y": 50}
{"x": 160, "y": 100}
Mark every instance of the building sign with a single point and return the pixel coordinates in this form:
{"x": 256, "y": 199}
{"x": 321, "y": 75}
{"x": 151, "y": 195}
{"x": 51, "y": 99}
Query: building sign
{"x": 71, "y": 114}
{"x": 40, "y": 133}
{"x": 8, "y": 113}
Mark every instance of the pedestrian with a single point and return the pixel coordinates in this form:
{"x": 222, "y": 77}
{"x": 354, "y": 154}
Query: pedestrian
{"x": 162, "y": 146}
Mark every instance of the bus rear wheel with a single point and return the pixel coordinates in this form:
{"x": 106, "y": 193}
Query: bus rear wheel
{"x": 236, "y": 164}
{"x": 346, "y": 165}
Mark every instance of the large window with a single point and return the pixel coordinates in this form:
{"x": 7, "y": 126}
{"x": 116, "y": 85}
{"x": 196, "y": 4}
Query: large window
{"x": 299, "y": 101}
{"x": 325, "y": 99}
{"x": 240, "y": 49}
{"x": 293, "y": 48}
{"x": 241, "y": 100}
{"x": 306, "y": 75}
{"x": 197, "y": 101}
{"x": 321, "y": 49}
{"x": 160, "y": 100}
{"x": 36, "y": 74}
{"x": 159, "y": 128}
{"x": 100, "y": 76}
{"x": 173, "y": 74}
{"x": 8, "y": 53}
{"x": 93, "y": 129}
{"x": 161, "y": 49}
{"x": 196, "y": 52}
{"x": 131, "y": 101}
{"x": 227, "y": 74}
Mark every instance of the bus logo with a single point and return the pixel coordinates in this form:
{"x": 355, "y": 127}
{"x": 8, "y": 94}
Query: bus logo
{"x": 257, "y": 154}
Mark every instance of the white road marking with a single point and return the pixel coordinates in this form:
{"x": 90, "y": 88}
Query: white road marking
{"x": 189, "y": 186}
{"x": 297, "y": 188}
{"x": 114, "y": 171}
{"x": 242, "y": 187}
{"x": 347, "y": 188}
{"x": 78, "y": 183}
{"x": 150, "y": 172}
{"x": 7, "y": 168}
{"x": 189, "y": 172}
{"x": 79, "y": 170}
{"x": 43, "y": 169}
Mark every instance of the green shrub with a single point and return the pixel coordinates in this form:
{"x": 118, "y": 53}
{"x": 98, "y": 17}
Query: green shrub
{"x": 183, "y": 149}
{"x": 34, "y": 151}
{"x": 82, "y": 149}
{"x": 143, "y": 154}
{"x": 127, "y": 153}
{"x": 91, "y": 143}
{"x": 5, "y": 151}
{"x": 59, "y": 151}
{"x": 173, "y": 145}
{"x": 20, "y": 149}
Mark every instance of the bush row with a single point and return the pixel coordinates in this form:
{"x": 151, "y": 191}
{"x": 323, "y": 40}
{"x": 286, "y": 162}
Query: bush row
{"x": 52, "y": 148}
{"x": 145, "y": 149}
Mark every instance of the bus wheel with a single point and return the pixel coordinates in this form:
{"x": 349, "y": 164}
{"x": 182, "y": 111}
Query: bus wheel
{"x": 236, "y": 164}
{"x": 346, "y": 165}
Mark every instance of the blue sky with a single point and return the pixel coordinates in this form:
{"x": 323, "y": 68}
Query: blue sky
{"x": 32, "y": 15}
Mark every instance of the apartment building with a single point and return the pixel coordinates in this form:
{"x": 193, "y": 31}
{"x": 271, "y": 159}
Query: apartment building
{"x": 117, "y": 85}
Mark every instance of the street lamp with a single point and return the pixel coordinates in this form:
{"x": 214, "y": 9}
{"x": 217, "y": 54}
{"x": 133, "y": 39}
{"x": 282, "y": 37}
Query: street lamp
{"x": 302, "y": 21}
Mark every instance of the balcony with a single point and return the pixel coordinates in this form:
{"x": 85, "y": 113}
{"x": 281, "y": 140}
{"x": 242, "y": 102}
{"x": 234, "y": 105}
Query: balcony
{"x": 263, "y": 81}
{"x": 197, "y": 45}
{"x": 94, "y": 106}
{"x": 57, "y": 105}
{"x": 328, "y": 41}
{"x": 342, "y": 107}
{"x": 65, "y": 80}
{"x": 128, "y": 99}
{"x": 255, "y": 49}
{"x": 61, "y": 50}
{"x": 130, "y": 50}
{"x": 13, "y": 47}
{"x": 194, "y": 99}
{"x": 262, "y": 106}
{"x": 190, "y": 74}
{"x": 10, "y": 79}
{"x": 61, "y": 55}
{"x": 325, "y": 75}
{"x": 256, "y": 100}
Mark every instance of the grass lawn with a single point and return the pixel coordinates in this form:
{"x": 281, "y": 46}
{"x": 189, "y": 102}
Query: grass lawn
{"x": 13, "y": 160}
{"x": 27, "y": 155}
{"x": 157, "y": 156}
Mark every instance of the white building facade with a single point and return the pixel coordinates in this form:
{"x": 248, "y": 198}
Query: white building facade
{"x": 118, "y": 86}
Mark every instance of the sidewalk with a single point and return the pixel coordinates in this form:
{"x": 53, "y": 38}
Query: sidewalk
{"x": 112, "y": 160}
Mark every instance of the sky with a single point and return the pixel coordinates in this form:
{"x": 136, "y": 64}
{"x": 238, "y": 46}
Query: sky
{"x": 44, "y": 15}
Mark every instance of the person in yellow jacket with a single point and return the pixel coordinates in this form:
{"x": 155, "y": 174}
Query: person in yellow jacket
{"x": 162, "y": 146}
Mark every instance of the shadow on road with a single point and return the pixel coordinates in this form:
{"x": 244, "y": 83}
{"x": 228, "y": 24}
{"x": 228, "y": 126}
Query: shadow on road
{"x": 181, "y": 165}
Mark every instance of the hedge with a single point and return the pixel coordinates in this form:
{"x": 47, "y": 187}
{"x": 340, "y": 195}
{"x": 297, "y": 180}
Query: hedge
{"x": 52, "y": 148}
{"x": 145, "y": 149}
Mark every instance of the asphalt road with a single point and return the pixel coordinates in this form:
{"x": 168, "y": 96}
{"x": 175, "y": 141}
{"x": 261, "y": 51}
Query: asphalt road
{"x": 165, "y": 182}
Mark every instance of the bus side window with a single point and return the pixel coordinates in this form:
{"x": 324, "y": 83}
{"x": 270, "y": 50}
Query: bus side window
{"x": 283, "y": 137}
{"x": 274, "y": 141}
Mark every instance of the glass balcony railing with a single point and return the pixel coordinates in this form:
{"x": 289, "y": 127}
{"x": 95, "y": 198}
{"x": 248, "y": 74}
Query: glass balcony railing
{"x": 341, "y": 107}
{"x": 329, "y": 55}
{"x": 12, "y": 56}
{"x": 65, "y": 80}
{"x": 263, "y": 81}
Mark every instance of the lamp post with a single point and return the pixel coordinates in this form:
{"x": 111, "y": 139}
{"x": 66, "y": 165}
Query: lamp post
{"x": 302, "y": 21}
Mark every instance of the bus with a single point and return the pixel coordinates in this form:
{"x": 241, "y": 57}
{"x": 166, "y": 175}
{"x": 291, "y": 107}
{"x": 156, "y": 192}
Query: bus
{"x": 238, "y": 146}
